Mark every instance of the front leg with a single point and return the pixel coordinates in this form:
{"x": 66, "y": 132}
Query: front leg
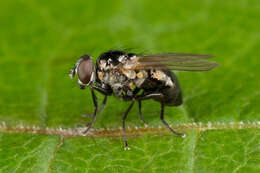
{"x": 103, "y": 104}
{"x": 94, "y": 98}
{"x": 104, "y": 91}
{"x": 101, "y": 107}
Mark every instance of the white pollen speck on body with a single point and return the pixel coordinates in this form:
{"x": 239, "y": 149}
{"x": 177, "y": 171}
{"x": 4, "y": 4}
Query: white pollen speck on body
{"x": 100, "y": 75}
{"x": 161, "y": 76}
{"x": 129, "y": 64}
{"x": 131, "y": 85}
{"x": 122, "y": 59}
{"x": 133, "y": 57}
{"x": 142, "y": 74}
{"x": 169, "y": 82}
{"x": 157, "y": 74}
{"x": 109, "y": 60}
{"x": 129, "y": 73}
{"x": 102, "y": 64}
{"x": 139, "y": 75}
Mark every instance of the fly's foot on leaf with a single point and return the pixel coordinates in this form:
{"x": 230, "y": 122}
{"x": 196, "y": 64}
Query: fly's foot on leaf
{"x": 127, "y": 148}
{"x": 183, "y": 135}
{"x": 82, "y": 131}
{"x": 85, "y": 131}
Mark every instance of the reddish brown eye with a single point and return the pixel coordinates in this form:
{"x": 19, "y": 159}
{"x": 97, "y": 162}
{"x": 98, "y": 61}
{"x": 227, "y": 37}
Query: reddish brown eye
{"x": 85, "y": 69}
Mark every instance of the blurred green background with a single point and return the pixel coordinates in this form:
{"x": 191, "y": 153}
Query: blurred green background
{"x": 41, "y": 40}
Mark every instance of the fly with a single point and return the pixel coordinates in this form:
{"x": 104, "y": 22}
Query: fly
{"x": 137, "y": 77}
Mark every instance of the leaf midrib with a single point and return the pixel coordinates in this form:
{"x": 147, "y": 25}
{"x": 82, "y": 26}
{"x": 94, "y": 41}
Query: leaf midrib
{"x": 131, "y": 131}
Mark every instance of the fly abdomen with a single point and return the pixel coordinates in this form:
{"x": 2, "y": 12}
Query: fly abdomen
{"x": 172, "y": 95}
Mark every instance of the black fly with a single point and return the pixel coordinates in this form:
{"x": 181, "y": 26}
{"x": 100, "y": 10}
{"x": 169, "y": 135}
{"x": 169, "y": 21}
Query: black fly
{"x": 135, "y": 77}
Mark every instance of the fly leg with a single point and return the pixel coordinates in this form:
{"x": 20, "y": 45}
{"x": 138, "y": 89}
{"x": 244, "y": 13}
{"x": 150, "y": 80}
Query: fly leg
{"x": 166, "y": 124}
{"x": 94, "y": 98}
{"x": 103, "y": 91}
{"x": 160, "y": 96}
{"x": 140, "y": 112}
{"x": 150, "y": 96}
{"x": 123, "y": 124}
{"x": 132, "y": 98}
{"x": 99, "y": 109}
{"x": 103, "y": 104}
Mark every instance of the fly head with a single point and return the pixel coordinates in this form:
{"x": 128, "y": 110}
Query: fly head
{"x": 85, "y": 69}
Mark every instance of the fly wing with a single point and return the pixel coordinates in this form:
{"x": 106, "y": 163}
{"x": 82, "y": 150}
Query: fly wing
{"x": 175, "y": 61}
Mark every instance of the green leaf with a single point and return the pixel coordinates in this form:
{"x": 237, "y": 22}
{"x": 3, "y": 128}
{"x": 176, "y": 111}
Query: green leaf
{"x": 41, "y": 108}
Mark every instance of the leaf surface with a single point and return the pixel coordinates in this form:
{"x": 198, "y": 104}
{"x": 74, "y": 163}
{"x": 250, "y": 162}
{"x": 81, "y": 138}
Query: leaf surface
{"x": 41, "y": 108}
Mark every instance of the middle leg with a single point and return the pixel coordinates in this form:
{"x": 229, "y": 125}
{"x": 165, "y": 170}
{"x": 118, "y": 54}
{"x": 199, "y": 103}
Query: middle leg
{"x": 101, "y": 107}
{"x": 123, "y": 124}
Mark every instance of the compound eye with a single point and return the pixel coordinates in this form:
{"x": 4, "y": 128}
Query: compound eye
{"x": 85, "y": 69}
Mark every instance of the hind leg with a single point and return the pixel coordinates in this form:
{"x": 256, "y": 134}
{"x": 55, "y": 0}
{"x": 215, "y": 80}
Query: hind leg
{"x": 140, "y": 112}
{"x": 160, "y": 96}
{"x": 166, "y": 124}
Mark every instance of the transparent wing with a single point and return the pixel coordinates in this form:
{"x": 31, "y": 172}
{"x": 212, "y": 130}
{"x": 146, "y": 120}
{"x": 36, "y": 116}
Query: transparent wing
{"x": 176, "y": 61}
